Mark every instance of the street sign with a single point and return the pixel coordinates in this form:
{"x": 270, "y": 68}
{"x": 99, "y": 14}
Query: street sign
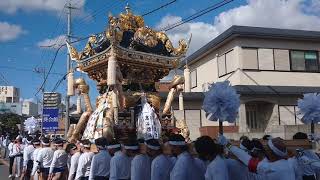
{"x": 50, "y": 120}
{"x": 51, "y": 100}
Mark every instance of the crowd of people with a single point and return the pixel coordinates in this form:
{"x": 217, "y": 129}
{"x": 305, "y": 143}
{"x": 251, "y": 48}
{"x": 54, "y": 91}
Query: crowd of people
{"x": 171, "y": 159}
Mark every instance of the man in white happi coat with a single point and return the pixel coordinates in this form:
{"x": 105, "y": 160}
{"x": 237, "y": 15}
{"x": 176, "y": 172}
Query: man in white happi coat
{"x": 58, "y": 167}
{"x": 141, "y": 164}
{"x": 276, "y": 168}
{"x": 185, "y": 167}
{"x": 28, "y": 159}
{"x": 120, "y": 164}
{"x": 37, "y": 146}
{"x": 74, "y": 154}
{"x": 17, "y": 150}
{"x": 85, "y": 159}
{"x": 44, "y": 159}
{"x": 100, "y": 165}
{"x": 161, "y": 165}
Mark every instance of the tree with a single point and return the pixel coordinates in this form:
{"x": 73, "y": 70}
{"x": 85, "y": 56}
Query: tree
{"x": 8, "y": 123}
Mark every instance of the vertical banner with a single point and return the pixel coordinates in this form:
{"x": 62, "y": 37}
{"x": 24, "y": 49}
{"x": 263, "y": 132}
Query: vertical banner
{"x": 50, "y": 120}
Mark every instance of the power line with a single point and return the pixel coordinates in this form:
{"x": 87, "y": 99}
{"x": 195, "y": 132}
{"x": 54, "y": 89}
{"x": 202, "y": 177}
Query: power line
{"x": 196, "y": 15}
{"x": 25, "y": 69}
{"x": 154, "y": 10}
{"x": 47, "y": 75}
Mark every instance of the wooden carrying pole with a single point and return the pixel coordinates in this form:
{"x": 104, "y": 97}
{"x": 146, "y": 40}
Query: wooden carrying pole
{"x": 220, "y": 127}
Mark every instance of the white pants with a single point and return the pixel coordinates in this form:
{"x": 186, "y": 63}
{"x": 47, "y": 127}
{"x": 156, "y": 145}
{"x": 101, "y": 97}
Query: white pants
{"x": 18, "y": 165}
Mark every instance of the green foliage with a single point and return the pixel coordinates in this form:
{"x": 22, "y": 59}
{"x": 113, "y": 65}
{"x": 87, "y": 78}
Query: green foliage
{"x": 8, "y": 123}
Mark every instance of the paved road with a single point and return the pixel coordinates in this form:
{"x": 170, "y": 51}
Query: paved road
{"x": 4, "y": 167}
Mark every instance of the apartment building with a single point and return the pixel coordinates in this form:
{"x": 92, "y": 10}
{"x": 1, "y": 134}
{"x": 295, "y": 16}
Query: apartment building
{"x": 270, "y": 69}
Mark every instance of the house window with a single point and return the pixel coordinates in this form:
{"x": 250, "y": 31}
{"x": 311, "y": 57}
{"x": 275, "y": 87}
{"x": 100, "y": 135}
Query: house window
{"x": 230, "y": 61}
{"x": 265, "y": 57}
{"x": 222, "y": 65}
{"x": 281, "y": 60}
{"x": 304, "y": 61}
{"x": 250, "y": 58}
{"x": 193, "y": 75}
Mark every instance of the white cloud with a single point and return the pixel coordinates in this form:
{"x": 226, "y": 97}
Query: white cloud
{"x": 262, "y": 13}
{"x": 52, "y": 43}
{"x": 12, "y": 6}
{"x": 10, "y": 31}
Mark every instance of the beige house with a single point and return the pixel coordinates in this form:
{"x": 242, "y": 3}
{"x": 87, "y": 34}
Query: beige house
{"x": 270, "y": 69}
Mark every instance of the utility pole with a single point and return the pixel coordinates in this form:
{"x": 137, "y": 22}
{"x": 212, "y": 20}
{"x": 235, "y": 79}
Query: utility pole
{"x": 43, "y": 72}
{"x": 69, "y": 69}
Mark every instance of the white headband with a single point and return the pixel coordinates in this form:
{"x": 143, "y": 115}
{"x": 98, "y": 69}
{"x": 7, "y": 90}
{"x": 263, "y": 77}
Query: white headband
{"x": 243, "y": 147}
{"x": 58, "y": 144}
{"x": 131, "y": 147}
{"x": 36, "y": 143}
{"x": 177, "y": 143}
{"x": 29, "y": 142}
{"x": 152, "y": 147}
{"x": 113, "y": 146}
{"x": 85, "y": 145}
{"x": 101, "y": 147}
{"x": 46, "y": 144}
{"x": 276, "y": 150}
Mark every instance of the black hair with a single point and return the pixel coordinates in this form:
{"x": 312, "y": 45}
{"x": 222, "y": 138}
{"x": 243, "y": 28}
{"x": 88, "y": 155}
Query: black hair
{"x": 101, "y": 142}
{"x": 205, "y": 145}
{"x": 247, "y": 144}
{"x": 153, "y": 142}
{"x": 266, "y": 137}
{"x": 70, "y": 147}
{"x": 141, "y": 140}
{"x": 29, "y": 138}
{"x": 257, "y": 145}
{"x": 45, "y": 140}
{"x": 86, "y": 142}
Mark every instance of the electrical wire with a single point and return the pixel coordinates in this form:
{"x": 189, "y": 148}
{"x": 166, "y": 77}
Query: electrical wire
{"x": 196, "y": 15}
{"x": 47, "y": 75}
{"x": 156, "y": 9}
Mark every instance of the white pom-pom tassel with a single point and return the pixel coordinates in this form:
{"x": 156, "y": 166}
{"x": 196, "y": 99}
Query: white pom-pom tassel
{"x": 187, "y": 80}
{"x": 181, "y": 105}
{"x": 112, "y": 73}
{"x": 79, "y": 110}
{"x": 70, "y": 84}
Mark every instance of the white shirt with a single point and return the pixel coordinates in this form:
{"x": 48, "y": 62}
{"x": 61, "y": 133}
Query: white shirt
{"x": 217, "y": 170}
{"x": 34, "y": 157}
{"x": 73, "y": 165}
{"x": 17, "y": 149}
{"x": 161, "y": 167}
{"x": 141, "y": 167}
{"x": 84, "y": 164}
{"x": 27, "y": 154}
{"x": 10, "y": 148}
{"x": 100, "y": 165}
{"x": 59, "y": 160}
{"x": 185, "y": 168}
{"x": 120, "y": 166}
{"x": 44, "y": 157}
{"x": 201, "y": 164}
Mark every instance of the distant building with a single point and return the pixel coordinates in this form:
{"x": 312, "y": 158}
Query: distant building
{"x": 15, "y": 108}
{"x": 29, "y": 108}
{"x": 270, "y": 69}
{"x": 9, "y": 94}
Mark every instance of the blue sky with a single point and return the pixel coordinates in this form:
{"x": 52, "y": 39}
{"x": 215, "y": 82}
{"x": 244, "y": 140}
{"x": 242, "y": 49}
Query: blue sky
{"x": 24, "y": 25}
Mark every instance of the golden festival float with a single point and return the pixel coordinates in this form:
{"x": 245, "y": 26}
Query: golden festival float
{"x": 126, "y": 61}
